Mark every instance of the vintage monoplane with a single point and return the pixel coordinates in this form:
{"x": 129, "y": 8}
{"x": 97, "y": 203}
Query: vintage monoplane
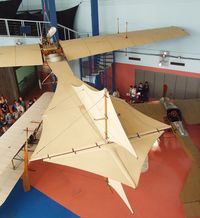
{"x": 82, "y": 127}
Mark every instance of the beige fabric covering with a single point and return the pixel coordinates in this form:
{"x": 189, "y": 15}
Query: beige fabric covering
{"x": 20, "y": 55}
{"x": 70, "y": 136}
{"x": 83, "y": 47}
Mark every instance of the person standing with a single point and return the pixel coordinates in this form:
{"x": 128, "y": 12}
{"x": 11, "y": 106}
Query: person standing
{"x": 146, "y": 91}
{"x": 116, "y": 94}
{"x": 165, "y": 88}
{"x": 140, "y": 92}
{"x": 19, "y": 108}
{"x": 133, "y": 94}
{"x": 129, "y": 93}
{"x": 4, "y": 106}
{"x": 22, "y": 103}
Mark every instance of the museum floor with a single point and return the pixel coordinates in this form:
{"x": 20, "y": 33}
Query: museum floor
{"x": 88, "y": 196}
{"x": 65, "y": 192}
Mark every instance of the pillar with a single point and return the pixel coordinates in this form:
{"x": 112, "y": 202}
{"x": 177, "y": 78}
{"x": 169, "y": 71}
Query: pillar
{"x": 50, "y": 7}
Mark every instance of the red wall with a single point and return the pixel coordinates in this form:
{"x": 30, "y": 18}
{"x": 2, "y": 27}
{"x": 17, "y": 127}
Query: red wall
{"x": 125, "y": 75}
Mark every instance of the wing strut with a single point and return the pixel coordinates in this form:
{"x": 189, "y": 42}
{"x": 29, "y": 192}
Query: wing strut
{"x": 26, "y": 181}
{"x": 106, "y": 115}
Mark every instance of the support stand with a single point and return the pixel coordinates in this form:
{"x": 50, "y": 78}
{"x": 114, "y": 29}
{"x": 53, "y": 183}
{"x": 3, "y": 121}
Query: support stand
{"x": 26, "y": 182}
{"x": 106, "y": 114}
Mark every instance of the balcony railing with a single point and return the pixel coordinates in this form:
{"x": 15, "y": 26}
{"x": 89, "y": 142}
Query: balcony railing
{"x": 29, "y": 28}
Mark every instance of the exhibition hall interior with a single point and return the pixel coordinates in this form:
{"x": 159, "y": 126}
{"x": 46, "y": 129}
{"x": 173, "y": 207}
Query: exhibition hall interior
{"x": 99, "y": 109}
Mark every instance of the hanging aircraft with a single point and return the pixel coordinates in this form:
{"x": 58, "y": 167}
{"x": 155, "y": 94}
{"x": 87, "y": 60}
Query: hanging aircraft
{"x": 174, "y": 116}
{"x": 115, "y": 138}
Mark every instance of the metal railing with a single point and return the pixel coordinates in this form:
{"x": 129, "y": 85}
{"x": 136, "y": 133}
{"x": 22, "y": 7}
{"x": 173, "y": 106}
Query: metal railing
{"x": 13, "y": 27}
{"x": 67, "y": 33}
{"x": 29, "y": 28}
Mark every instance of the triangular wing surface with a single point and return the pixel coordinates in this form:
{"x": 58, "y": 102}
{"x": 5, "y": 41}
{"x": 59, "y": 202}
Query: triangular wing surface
{"x": 135, "y": 123}
{"x": 20, "y": 55}
{"x": 66, "y": 123}
{"x": 102, "y": 112}
{"x": 111, "y": 161}
{"x": 117, "y": 186}
{"x": 83, "y": 47}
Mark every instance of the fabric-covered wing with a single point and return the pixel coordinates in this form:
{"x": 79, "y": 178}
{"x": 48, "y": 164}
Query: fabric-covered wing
{"x": 94, "y": 102}
{"x": 135, "y": 123}
{"x": 83, "y": 47}
{"x": 70, "y": 136}
{"x": 20, "y": 55}
{"x": 66, "y": 123}
{"x": 117, "y": 186}
{"x": 111, "y": 160}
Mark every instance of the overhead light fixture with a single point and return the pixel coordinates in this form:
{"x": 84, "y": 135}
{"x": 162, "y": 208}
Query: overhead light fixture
{"x": 165, "y": 53}
{"x": 19, "y": 42}
{"x": 160, "y": 64}
{"x": 164, "y": 58}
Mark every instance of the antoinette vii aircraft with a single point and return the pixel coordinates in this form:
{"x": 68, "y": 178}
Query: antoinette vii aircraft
{"x": 114, "y": 139}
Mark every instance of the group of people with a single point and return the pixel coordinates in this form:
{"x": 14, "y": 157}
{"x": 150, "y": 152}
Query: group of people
{"x": 10, "y": 113}
{"x": 139, "y": 93}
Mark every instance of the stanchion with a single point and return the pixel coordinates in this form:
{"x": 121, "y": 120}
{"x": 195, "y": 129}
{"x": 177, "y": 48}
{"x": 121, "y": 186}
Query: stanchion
{"x": 26, "y": 182}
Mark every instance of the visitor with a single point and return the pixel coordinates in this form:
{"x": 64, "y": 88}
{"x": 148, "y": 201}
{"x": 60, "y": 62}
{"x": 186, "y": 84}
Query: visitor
{"x": 19, "y": 108}
{"x": 116, "y": 94}
{"x": 9, "y": 119}
{"x": 22, "y": 103}
{"x": 146, "y": 91}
